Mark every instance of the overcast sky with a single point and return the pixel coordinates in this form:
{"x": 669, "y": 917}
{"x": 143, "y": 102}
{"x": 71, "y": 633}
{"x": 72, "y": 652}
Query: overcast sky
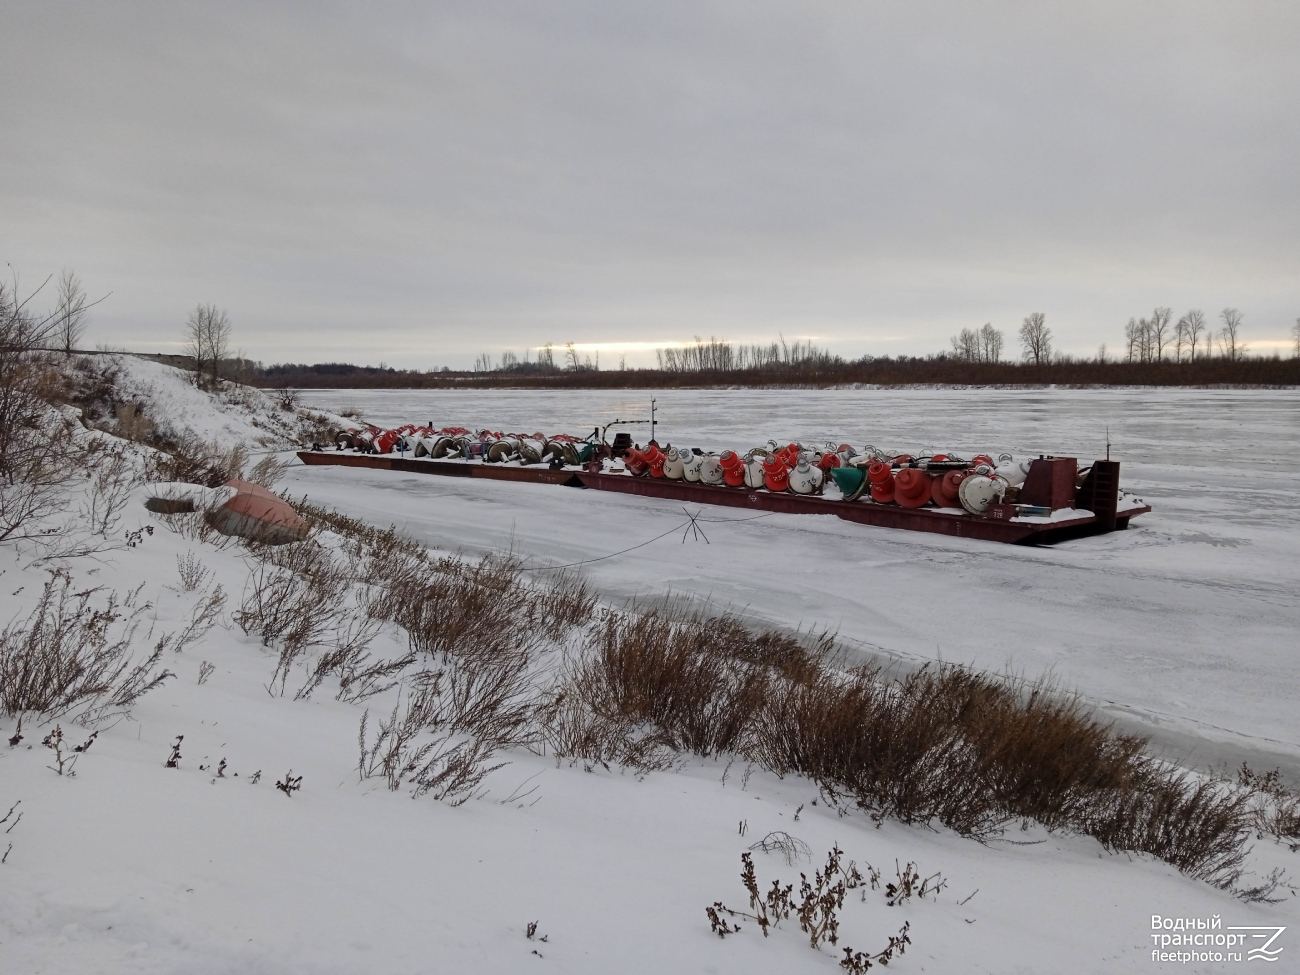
{"x": 420, "y": 183}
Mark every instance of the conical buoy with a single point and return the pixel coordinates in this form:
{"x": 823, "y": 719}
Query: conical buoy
{"x": 852, "y": 481}
{"x": 912, "y": 487}
{"x": 733, "y": 468}
{"x": 944, "y": 489}
{"x": 881, "y": 479}
{"x": 776, "y": 475}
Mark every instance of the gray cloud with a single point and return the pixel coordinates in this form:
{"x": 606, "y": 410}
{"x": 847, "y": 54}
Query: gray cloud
{"x": 421, "y": 182}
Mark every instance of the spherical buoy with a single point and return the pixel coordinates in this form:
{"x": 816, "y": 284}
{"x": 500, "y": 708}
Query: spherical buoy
{"x": 710, "y": 469}
{"x": 977, "y": 492}
{"x": 674, "y": 463}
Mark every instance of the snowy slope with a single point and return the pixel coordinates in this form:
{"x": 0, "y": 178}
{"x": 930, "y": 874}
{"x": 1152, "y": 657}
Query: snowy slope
{"x": 175, "y": 406}
{"x": 130, "y": 867}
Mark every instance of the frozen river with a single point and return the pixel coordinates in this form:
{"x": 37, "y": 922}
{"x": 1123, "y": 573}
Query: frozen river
{"x": 1187, "y": 624}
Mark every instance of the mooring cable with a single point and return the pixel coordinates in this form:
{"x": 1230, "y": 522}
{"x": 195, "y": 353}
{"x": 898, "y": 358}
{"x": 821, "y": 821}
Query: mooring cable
{"x": 683, "y": 526}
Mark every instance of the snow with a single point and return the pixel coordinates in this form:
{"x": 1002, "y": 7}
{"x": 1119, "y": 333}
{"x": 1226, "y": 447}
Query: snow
{"x": 237, "y": 415}
{"x": 1060, "y": 514}
{"x": 1183, "y": 626}
{"x": 130, "y": 867}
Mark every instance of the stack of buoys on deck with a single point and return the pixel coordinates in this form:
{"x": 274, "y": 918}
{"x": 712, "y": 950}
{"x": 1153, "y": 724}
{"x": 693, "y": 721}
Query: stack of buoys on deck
{"x": 942, "y": 480}
{"x": 915, "y": 482}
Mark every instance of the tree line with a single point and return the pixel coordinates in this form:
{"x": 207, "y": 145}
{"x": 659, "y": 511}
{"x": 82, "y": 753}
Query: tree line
{"x": 1199, "y": 351}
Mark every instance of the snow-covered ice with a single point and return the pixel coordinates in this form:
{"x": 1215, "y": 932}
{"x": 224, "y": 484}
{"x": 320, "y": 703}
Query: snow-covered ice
{"x": 1186, "y": 624}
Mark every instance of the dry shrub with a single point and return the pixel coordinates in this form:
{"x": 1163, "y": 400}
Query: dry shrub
{"x": 883, "y": 745}
{"x": 291, "y": 601}
{"x": 193, "y": 460}
{"x": 1274, "y": 809}
{"x": 574, "y": 732}
{"x": 203, "y": 618}
{"x": 661, "y": 667}
{"x": 817, "y": 909}
{"x": 193, "y": 573}
{"x": 68, "y": 656}
{"x": 943, "y": 743}
{"x": 34, "y": 437}
{"x": 132, "y": 424}
{"x": 560, "y": 602}
{"x": 300, "y": 597}
{"x": 346, "y": 656}
{"x": 112, "y": 473}
{"x": 267, "y": 471}
{"x": 197, "y": 526}
{"x": 367, "y": 542}
{"x": 416, "y": 746}
{"x": 1190, "y": 822}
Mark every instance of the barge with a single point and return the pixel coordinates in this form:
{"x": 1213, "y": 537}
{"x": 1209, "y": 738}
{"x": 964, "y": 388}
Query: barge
{"x": 1041, "y": 500}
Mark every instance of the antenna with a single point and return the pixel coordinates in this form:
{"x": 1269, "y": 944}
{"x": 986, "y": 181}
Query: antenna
{"x": 1108, "y": 442}
{"x": 652, "y": 419}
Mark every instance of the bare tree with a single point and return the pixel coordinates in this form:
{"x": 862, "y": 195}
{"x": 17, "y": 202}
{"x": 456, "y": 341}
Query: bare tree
{"x": 1036, "y": 339}
{"x": 70, "y": 312}
{"x": 978, "y": 345}
{"x": 571, "y": 355}
{"x": 207, "y": 341}
{"x": 966, "y": 345}
{"x": 34, "y": 445}
{"x": 1295, "y": 338}
{"x": 1101, "y": 354}
{"x": 990, "y": 343}
{"x": 1230, "y": 343}
{"x": 1159, "y": 332}
{"x": 1192, "y": 325}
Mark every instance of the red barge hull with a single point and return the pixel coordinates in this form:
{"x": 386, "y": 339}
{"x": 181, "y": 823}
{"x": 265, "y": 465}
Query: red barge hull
{"x": 992, "y": 529}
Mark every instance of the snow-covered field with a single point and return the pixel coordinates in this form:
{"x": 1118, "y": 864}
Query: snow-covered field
{"x": 1187, "y": 624}
{"x": 130, "y": 867}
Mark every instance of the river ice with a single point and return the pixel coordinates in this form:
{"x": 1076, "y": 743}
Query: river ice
{"x": 1186, "y": 624}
